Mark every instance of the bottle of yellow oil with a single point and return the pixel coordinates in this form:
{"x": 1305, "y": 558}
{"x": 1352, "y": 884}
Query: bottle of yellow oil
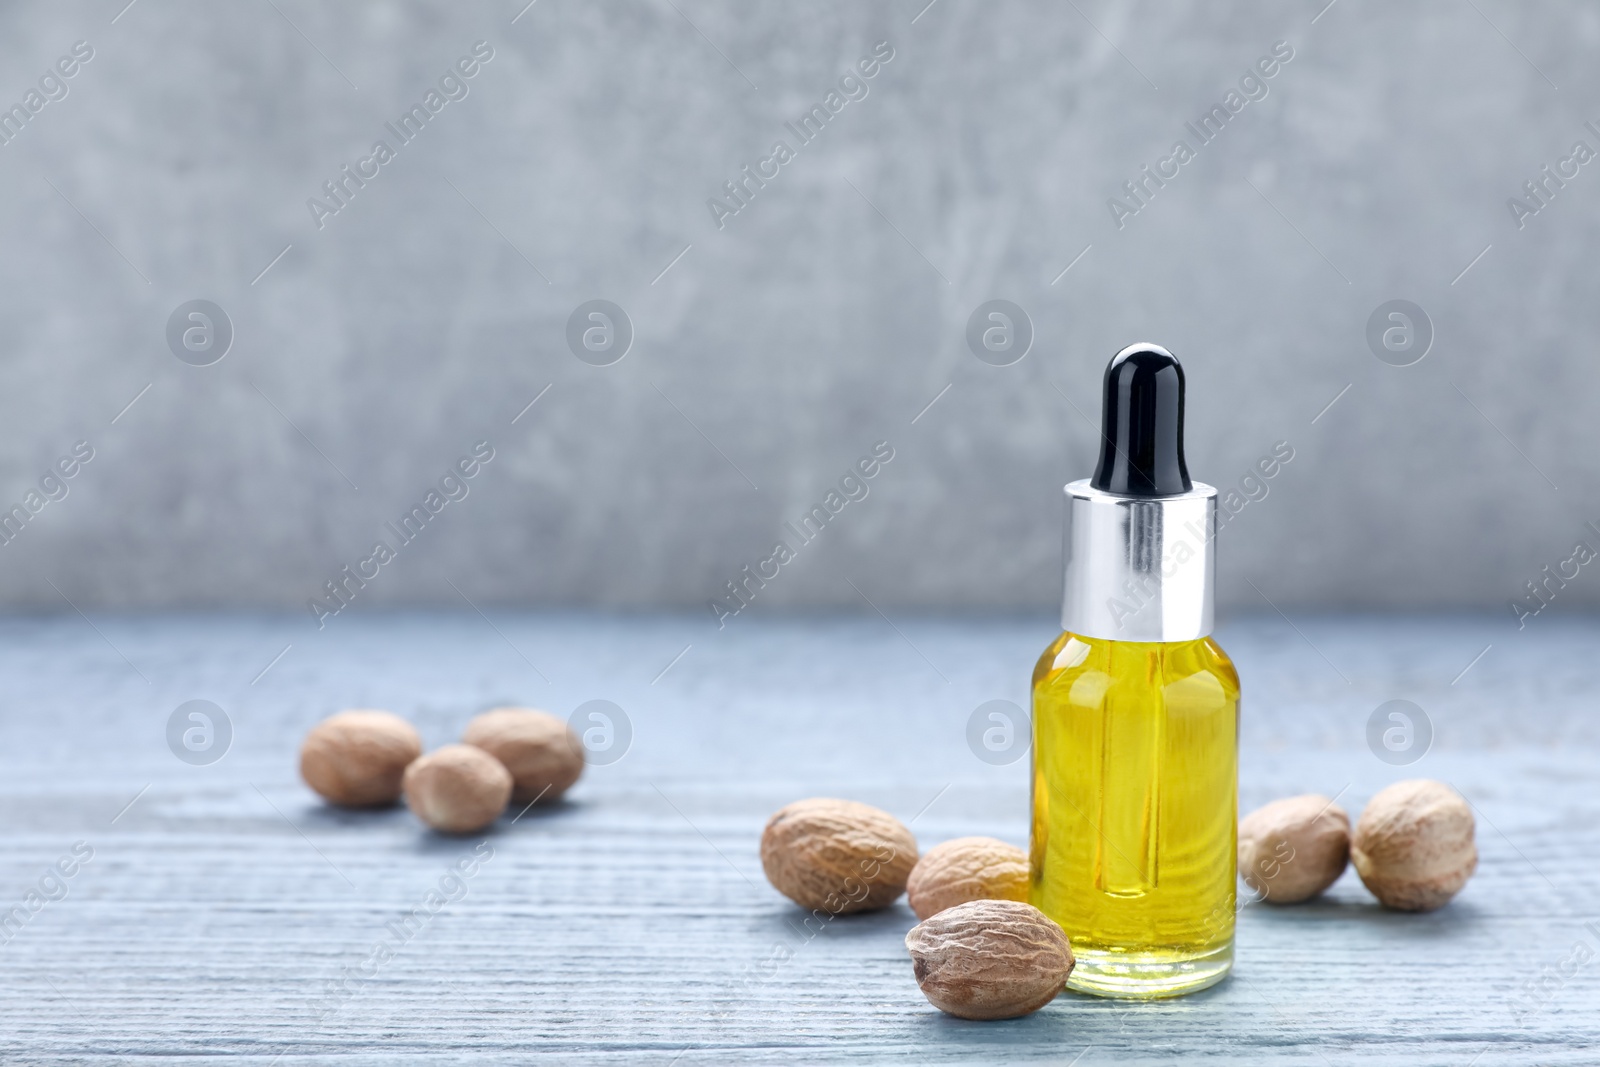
{"x": 1136, "y": 712}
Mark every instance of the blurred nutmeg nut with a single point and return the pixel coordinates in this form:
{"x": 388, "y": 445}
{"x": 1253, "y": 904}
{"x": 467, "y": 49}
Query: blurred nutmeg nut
{"x": 458, "y": 788}
{"x": 990, "y": 959}
{"x": 540, "y": 750}
{"x": 1294, "y": 848}
{"x": 1413, "y": 845}
{"x": 356, "y": 758}
{"x": 968, "y": 868}
{"x": 837, "y": 856}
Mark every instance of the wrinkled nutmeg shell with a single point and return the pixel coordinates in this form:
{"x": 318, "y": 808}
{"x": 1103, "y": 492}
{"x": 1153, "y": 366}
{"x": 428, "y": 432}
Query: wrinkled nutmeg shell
{"x": 967, "y": 868}
{"x": 356, "y": 758}
{"x": 540, "y": 750}
{"x": 458, "y": 789}
{"x": 837, "y": 856}
{"x": 990, "y": 959}
{"x": 1413, "y": 845}
{"x": 1294, "y": 848}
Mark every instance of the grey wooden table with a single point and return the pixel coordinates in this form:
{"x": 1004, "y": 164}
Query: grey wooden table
{"x": 225, "y": 915}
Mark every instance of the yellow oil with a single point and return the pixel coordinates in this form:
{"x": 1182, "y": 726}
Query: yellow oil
{"x": 1135, "y": 810}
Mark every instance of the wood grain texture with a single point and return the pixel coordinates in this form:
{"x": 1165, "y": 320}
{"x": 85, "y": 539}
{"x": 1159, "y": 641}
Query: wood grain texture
{"x": 631, "y": 923}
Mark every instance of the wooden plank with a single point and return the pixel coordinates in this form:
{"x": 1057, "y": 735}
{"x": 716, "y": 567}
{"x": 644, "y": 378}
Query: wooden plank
{"x": 632, "y": 923}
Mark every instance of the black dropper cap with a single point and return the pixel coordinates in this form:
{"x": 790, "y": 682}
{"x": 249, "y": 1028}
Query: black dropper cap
{"x": 1141, "y": 429}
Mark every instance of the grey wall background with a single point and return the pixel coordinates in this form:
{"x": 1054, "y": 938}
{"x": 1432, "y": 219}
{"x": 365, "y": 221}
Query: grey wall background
{"x": 824, "y": 317}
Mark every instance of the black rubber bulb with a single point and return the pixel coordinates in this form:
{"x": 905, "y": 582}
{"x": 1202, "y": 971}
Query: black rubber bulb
{"x": 1141, "y": 449}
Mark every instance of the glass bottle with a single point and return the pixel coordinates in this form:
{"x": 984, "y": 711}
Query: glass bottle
{"x": 1135, "y": 712}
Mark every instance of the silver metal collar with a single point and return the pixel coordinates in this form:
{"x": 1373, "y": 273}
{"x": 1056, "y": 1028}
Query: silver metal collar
{"x": 1140, "y": 568}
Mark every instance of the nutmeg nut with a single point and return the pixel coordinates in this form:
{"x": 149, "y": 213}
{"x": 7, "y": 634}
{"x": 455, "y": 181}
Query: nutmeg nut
{"x": 1292, "y": 849}
{"x": 1413, "y": 845}
{"x": 540, "y": 750}
{"x": 458, "y": 788}
{"x": 837, "y": 856}
{"x": 990, "y": 959}
{"x": 967, "y": 868}
{"x": 356, "y": 758}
